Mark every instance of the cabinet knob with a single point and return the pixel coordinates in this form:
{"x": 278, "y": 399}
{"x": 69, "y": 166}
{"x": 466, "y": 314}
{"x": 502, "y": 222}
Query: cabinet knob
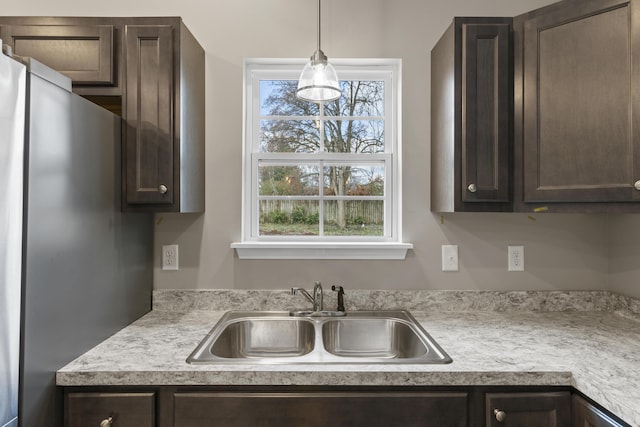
{"x": 472, "y": 188}
{"x": 500, "y": 415}
{"x": 636, "y": 185}
{"x": 107, "y": 422}
{"x": 163, "y": 189}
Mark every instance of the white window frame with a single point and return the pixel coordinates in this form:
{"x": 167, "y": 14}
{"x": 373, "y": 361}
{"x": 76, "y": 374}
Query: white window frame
{"x": 388, "y": 246}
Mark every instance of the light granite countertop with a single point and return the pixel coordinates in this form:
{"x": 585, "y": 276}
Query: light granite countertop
{"x": 550, "y": 341}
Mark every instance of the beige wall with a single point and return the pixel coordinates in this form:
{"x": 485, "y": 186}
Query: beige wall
{"x": 624, "y": 255}
{"x": 562, "y": 251}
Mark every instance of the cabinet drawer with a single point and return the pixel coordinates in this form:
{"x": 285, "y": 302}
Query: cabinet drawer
{"x": 126, "y": 409}
{"x": 85, "y": 54}
{"x": 321, "y": 409}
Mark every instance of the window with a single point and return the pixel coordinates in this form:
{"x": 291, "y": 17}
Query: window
{"x": 322, "y": 180}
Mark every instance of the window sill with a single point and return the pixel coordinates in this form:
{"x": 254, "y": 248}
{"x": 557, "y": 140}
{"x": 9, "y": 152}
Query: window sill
{"x": 322, "y": 250}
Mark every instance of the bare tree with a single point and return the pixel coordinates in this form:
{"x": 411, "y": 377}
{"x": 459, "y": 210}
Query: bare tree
{"x": 351, "y": 124}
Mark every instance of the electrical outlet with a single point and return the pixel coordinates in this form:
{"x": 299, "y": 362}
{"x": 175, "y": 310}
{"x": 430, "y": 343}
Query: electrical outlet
{"x": 515, "y": 258}
{"x": 449, "y": 257}
{"x": 170, "y": 257}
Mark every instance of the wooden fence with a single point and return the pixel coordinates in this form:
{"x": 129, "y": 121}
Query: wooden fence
{"x": 367, "y": 211}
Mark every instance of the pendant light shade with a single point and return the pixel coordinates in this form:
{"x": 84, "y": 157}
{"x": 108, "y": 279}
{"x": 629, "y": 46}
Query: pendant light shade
{"x": 318, "y": 81}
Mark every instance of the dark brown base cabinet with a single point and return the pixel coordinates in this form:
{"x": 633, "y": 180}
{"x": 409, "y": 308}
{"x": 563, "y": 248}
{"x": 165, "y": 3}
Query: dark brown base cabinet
{"x": 321, "y": 409}
{"x": 528, "y": 409}
{"x": 586, "y": 414}
{"x": 335, "y": 406}
{"x": 151, "y": 72}
{"x": 136, "y": 409}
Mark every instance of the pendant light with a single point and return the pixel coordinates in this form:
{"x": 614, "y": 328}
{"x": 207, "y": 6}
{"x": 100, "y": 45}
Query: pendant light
{"x": 318, "y": 81}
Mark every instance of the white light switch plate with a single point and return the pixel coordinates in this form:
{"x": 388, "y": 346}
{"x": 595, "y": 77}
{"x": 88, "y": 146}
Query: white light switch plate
{"x": 449, "y": 257}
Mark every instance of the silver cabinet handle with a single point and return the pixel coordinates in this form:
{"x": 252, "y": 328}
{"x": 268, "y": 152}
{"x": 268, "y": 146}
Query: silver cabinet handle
{"x": 472, "y": 188}
{"x": 163, "y": 189}
{"x": 636, "y": 185}
{"x": 500, "y": 415}
{"x": 106, "y": 422}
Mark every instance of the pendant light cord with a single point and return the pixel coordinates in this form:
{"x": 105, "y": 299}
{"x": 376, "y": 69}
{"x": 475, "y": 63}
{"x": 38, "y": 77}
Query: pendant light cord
{"x": 319, "y": 24}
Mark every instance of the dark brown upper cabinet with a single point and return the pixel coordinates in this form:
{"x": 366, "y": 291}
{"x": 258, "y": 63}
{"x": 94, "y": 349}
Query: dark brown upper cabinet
{"x": 84, "y": 53}
{"x": 580, "y": 66}
{"x": 471, "y": 117}
{"x": 151, "y": 72}
{"x": 164, "y": 116}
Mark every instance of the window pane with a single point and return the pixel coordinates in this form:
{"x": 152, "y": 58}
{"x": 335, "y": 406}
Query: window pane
{"x": 278, "y": 98}
{"x": 288, "y": 180}
{"x": 289, "y": 136}
{"x": 354, "y": 136}
{"x": 348, "y": 180}
{"x": 354, "y": 218}
{"x": 289, "y": 218}
{"x": 359, "y": 98}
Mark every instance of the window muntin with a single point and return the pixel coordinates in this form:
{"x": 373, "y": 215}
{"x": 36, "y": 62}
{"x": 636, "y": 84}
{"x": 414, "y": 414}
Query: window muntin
{"x": 321, "y": 171}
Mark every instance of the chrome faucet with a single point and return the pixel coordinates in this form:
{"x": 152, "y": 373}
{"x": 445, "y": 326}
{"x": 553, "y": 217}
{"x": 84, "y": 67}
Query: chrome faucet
{"x": 316, "y": 299}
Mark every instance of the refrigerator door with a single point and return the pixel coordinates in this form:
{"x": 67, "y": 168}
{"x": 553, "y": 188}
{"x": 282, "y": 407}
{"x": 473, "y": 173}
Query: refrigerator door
{"x": 87, "y": 267}
{"x": 12, "y": 124}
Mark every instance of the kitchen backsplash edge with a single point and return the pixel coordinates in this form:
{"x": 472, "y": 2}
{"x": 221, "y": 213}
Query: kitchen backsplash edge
{"x": 178, "y": 300}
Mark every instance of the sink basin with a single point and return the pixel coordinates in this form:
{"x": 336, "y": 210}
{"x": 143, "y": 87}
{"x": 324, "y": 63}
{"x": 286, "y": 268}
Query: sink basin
{"x": 272, "y": 337}
{"x": 386, "y": 338}
{"x": 266, "y": 337}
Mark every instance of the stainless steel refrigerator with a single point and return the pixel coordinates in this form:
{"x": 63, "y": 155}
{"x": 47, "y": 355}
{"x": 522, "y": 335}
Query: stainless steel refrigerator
{"x": 74, "y": 269}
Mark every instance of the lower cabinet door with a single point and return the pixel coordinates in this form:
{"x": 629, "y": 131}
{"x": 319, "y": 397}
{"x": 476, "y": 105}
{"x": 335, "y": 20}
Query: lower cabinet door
{"x": 110, "y": 410}
{"x": 528, "y": 409}
{"x": 320, "y": 409}
{"x": 587, "y": 415}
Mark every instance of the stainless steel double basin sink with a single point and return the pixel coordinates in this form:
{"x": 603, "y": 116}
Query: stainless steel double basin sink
{"x": 279, "y": 337}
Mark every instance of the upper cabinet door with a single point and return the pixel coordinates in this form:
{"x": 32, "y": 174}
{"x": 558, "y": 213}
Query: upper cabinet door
{"x": 581, "y": 72}
{"x": 471, "y": 117}
{"x": 84, "y": 53}
{"x": 148, "y": 114}
{"x": 486, "y": 112}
